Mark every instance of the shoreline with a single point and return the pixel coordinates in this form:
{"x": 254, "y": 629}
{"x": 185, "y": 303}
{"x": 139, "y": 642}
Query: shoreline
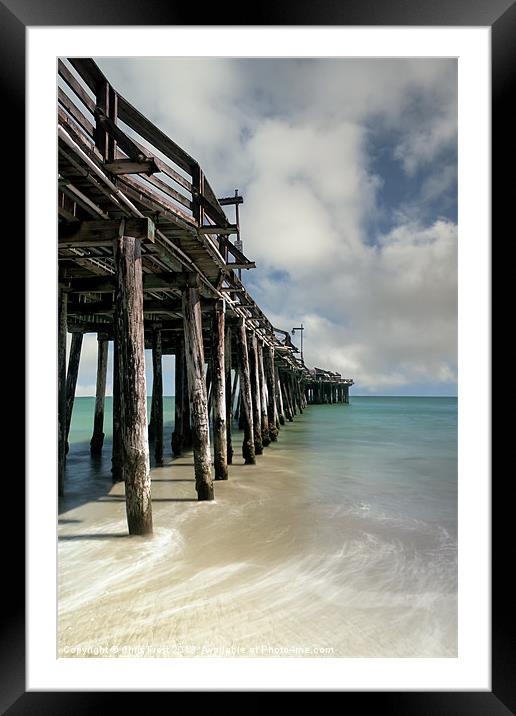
{"x": 278, "y": 565}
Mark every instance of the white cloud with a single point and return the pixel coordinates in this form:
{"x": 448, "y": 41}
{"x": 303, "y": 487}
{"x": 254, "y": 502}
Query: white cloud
{"x": 294, "y": 136}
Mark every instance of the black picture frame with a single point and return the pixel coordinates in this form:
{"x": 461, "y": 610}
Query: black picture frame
{"x": 500, "y": 15}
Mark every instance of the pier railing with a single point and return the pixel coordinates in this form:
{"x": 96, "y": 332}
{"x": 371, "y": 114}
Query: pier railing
{"x": 149, "y": 166}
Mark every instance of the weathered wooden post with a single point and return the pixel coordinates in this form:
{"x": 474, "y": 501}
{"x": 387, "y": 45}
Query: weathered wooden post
{"x": 61, "y": 381}
{"x": 288, "y": 401}
{"x": 219, "y": 393}
{"x": 297, "y": 393}
{"x": 194, "y": 353}
{"x": 71, "y": 378}
{"x": 157, "y": 392}
{"x": 239, "y": 413}
{"x": 264, "y": 398}
{"x": 286, "y": 397}
{"x": 128, "y": 324}
{"x": 346, "y": 394}
{"x": 97, "y": 439}
{"x": 290, "y": 391}
{"x": 272, "y": 411}
{"x": 255, "y": 393}
{"x": 245, "y": 399}
{"x": 281, "y": 410}
{"x": 152, "y": 420}
{"x": 229, "y": 393}
{"x": 187, "y": 423}
{"x": 116, "y": 457}
{"x": 233, "y": 390}
{"x": 176, "y": 442}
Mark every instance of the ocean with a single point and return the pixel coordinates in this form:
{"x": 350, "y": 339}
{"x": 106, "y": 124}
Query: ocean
{"x": 341, "y": 541}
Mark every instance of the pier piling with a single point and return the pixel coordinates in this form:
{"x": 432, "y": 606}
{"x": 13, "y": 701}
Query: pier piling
{"x": 245, "y": 398}
{"x": 229, "y": 393}
{"x": 279, "y": 396}
{"x": 61, "y": 381}
{"x": 71, "y": 378}
{"x": 272, "y": 412}
{"x": 194, "y": 354}
{"x": 117, "y": 467}
{"x": 131, "y": 368}
{"x": 97, "y": 439}
{"x": 263, "y": 395}
{"x": 157, "y": 393}
{"x": 177, "y": 439}
{"x": 219, "y": 393}
{"x": 255, "y": 393}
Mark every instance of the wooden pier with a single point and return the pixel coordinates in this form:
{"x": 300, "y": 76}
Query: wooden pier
{"x": 146, "y": 261}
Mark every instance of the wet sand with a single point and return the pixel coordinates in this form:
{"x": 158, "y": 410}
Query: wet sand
{"x": 273, "y": 567}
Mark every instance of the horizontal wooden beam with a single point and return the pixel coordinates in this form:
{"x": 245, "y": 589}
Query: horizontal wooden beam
{"x": 247, "y": 265}
{"x": 229, "y": 200}
{"x": 218, "y": 230}
{"x": 106, "y": 306}
{"x": 103, "y": 233}
{"x": 129, "y": 166}
{"x": 106, "y": 284}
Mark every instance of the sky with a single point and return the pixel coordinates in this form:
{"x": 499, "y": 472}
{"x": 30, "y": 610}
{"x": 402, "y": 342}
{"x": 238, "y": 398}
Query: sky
{"x": 348, "y": 170}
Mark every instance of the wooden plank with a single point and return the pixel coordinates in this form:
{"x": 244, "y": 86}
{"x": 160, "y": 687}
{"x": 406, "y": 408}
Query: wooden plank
{"x": 247, "y": 265}
{"x": 76, "y": 195}
{"x": 74, "y": 112}
{"x": 165, "y": 168}
{"x": 166, "y": 189}
{"x": 106, "y": 284}
{"x": 158, "y": 139}
{"x": 230, "y": 200}
{"x": 126, "y": 144}
{"x": 131, "y": 367}
{"x": 102, "y": 233}
{"x": 66, "y": 214}
{"x": 89, "y": 71}
{"x": 218, "y": 230}
{"x": 194, "y": 353}
{"x": 130, "y": 166}
{"x": 75, "y": 86}
{"x": 153, "y": 200}
{"x": 236, "y": 253}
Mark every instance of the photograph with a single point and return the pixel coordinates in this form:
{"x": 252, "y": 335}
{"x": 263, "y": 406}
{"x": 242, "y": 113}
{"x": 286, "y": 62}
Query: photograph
{"x": 258, "y": 390}
{"x": 257, "y": 357}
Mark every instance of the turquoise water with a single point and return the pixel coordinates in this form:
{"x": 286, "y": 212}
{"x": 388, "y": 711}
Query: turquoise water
{"x": 344, "y": 534}
{"x": 82, "y": 417}
{"x": 397, "y": 456}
